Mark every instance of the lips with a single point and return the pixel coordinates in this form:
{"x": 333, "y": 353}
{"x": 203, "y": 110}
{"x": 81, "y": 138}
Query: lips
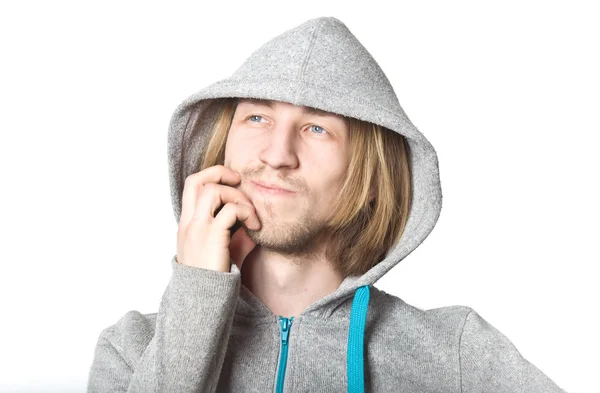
{"x": 273, "y": 187}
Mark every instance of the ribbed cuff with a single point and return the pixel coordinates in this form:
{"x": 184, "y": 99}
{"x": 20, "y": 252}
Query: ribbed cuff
{"x": 211, "y": 279}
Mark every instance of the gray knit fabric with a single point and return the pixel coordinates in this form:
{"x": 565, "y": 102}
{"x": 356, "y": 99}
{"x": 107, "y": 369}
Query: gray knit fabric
{"x": 211, "y": 334}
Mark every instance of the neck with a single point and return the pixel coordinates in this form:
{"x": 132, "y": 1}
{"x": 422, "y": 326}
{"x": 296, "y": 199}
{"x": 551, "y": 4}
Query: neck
{"x": 286, "y": 284}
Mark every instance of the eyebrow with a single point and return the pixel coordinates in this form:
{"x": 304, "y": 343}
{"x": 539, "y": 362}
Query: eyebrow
{"x": 271, "y": 104}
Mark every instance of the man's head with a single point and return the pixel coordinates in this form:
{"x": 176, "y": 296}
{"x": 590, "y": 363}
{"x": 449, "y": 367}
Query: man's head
{"x": 349, "y": 180}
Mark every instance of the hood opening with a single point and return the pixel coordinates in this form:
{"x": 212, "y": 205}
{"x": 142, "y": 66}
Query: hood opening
{"x": 310, "y": 65}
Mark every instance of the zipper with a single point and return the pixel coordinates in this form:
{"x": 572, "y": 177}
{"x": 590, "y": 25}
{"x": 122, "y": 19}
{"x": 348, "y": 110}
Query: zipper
{"x": 285, "y": 325}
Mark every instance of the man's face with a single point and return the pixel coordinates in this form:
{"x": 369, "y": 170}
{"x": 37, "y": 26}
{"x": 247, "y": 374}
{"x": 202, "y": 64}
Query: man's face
{"x": 286, "y": 146}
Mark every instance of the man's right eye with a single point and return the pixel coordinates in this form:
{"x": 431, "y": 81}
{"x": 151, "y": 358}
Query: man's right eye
{"x": 254, "y": 117}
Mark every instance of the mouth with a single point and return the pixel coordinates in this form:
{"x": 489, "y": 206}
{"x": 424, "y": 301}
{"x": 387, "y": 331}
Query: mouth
{"x": 271, "y": 190}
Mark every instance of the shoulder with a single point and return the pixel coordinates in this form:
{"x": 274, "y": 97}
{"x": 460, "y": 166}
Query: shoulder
{"x": 419, "y": 345}
{"x": 456, "y": 325}
{"x": 392, "y": 309}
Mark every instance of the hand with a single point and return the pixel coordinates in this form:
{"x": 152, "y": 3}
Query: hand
{"x": 203, "y": 239}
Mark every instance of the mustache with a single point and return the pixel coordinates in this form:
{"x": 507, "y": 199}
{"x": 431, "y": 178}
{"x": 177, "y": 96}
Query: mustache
{"x": 261, "y": 176}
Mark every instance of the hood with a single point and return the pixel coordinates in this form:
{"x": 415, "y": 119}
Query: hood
{"x": 290, "y": 68}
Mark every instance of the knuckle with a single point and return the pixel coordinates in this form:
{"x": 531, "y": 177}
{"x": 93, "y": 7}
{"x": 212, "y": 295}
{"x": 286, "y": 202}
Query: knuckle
{"x": 196, "y": 225}
{"x": 189, "y": 180}
{"x": 210, "y": 187}
{"x": 231, "y": 207}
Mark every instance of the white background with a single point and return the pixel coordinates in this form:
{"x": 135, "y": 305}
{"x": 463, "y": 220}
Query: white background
{"x": 507, "y": 92}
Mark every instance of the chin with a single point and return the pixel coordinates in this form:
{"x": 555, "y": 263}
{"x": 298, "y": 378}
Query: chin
{"x": 261, "y": 236}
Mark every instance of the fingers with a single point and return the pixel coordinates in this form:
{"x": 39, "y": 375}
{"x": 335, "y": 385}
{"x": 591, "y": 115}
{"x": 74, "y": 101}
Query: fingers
{"x": 232, "y": 212}
{"x": 213, "y": 196}
{"x": 195, "y": 183}
{"x": 211, "y": 206}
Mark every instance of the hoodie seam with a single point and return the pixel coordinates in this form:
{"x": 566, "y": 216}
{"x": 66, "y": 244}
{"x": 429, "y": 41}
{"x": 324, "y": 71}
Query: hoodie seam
{"x": 340, "y": 303}
{"x": 462, "y": 330}
{"x": 311, "y": 45}
{"x": 120, "y": 351}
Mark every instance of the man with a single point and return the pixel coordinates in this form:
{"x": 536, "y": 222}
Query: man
{"x": 297, "y": 183}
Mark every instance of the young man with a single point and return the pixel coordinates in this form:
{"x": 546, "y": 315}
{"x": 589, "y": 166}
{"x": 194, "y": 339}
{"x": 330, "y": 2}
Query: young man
{"x": 297, "y": 183}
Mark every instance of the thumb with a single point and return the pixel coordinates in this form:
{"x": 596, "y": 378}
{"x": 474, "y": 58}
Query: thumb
{"x": 240, "y": 246}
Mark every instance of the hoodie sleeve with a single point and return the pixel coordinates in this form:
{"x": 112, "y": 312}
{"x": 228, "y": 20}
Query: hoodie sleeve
{"x": 490, "y": 363}
{"x": 183, "y": 351}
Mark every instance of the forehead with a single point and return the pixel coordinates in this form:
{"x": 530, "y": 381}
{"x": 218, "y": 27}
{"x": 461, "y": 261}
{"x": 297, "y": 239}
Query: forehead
{"x": 271, "y": 104}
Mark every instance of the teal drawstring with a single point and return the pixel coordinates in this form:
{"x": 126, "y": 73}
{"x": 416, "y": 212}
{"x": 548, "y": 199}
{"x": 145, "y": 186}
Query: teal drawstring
{"x": 356, "y": 339}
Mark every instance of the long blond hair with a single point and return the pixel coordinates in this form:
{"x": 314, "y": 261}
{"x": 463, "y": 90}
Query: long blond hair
{"x": 363, "y": 230}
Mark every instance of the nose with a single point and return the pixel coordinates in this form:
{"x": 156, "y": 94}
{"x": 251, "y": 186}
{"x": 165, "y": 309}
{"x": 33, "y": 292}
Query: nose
{"x": 280, "y": 147}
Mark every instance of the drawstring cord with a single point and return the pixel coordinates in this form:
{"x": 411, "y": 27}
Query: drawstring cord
{"x": 356, "y": 339}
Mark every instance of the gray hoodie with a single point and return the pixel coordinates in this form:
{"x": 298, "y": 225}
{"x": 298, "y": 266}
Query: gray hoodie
{"x": 211, "y": 334}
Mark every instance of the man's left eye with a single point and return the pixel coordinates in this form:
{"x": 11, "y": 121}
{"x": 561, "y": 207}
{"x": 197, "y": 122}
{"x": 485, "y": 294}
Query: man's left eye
{"x": 319, "y": 129}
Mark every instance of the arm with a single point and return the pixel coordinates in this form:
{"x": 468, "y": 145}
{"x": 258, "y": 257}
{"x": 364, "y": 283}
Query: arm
{"x": 184, "y": 350}
{"x": 490, "y": 363}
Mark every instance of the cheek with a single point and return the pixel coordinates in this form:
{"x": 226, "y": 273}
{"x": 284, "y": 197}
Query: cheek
{"x": 230, "y": 148}
{"x": 227, "y": 155}
{"x": 237, "y": 150}
{"x": 327, "y": 176}
{"x": 328, "y": 164}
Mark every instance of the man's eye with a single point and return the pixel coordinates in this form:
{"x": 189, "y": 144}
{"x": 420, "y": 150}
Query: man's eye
{"x": 254, "y": 117}
{"x": 319, "y": 129}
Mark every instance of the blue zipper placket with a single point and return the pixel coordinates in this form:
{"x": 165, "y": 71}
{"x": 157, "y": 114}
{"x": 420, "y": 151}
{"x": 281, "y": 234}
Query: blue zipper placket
{"x": 285, "y": 325}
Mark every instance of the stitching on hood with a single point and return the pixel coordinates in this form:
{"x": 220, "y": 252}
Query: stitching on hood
{"x": 311, "y": 45}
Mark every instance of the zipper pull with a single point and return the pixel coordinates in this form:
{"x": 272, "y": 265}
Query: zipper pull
{"x": 285, "y": 328}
